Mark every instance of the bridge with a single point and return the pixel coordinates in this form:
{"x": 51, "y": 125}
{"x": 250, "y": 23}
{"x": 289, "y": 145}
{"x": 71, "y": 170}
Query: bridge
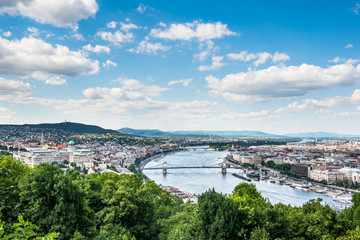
{"x": 165, "y": 167}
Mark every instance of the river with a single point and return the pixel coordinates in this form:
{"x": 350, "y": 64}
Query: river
{"x": 199, "y": 180}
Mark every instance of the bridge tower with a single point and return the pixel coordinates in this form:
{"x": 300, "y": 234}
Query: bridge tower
{"x": 164, "y": 168}
{"x": 223, "y": 167}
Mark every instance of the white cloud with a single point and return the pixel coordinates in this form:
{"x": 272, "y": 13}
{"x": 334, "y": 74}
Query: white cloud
{"x": 77, "y": 36}
{"x": 216, "y": 64}
{"x": 277, "y": 57}
{"x": 337, "y": 60}
{"x": 109, "y": 64}
{"x": 64, "y": 13}
{"x": 7, "y": 34}
{"x": 47, "y": 78}
{"x": 12, "y": 89}
{"x": 116, "y": 37}
{"x": 344, "y": 60}
{"x": 349, "y": 46}
{"x": 128, "y": 26}
{"x": 33, "y": 31}
{"x": 29, "y": 55}
{"x": 129, "y": 83}
{"x": 112, "y": 24}
{"x": 149, "y": 48}
{"x": 309, "y": 104}
{"x": 96, "y": 49}
{"x": 132, "y": 90}
{"x": 258, "y": 58}
{"x": 56, "y": 80}
{"x": 282, "y": 82}
{"x": 207, "y": 48}
{"x": 141, "y": 8}
{"x": 195, "y": 30}
{"x": 184, "y": 82}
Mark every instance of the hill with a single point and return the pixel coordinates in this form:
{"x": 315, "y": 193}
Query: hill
{"x": 144, "y": 132}
{"x": 320, "y": 135}
{"x": 65, "y": 126}
{"x": 158, "y": 133}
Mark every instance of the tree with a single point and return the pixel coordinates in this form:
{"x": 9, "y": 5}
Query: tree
{"x": 11, "y": 171}
{"x": 219, "y": 217}
{"x": 24, "y": 230}
{"x": 55, "y": 203}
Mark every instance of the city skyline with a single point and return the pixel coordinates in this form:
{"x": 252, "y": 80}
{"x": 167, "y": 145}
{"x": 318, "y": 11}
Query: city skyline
{"x": 283, "y": 67}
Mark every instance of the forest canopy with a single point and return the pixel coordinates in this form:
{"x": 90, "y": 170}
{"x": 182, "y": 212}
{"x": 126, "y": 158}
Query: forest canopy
{"x": 46, "y": 203}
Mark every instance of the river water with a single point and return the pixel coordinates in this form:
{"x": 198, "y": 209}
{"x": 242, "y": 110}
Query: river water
{"x": 199, "y": 180}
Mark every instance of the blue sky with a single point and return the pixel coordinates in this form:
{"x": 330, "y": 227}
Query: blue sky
{"x": 273, "y": 66}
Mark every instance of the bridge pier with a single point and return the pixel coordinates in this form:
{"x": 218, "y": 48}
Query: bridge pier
{"x": 223, "y": 167}
{"x": 164, "y": 168}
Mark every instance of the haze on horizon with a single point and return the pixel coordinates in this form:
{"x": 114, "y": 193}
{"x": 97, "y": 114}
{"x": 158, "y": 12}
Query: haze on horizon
{"x": 283, "y": 67}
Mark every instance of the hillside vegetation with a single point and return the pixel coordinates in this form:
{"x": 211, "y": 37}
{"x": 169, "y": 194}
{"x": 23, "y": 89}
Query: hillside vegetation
{"x": 46, "y": 203}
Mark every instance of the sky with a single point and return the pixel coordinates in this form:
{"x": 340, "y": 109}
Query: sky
{"x": 274, "y": 66}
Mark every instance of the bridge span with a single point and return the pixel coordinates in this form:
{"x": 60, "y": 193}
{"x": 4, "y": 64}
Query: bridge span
{"x": 165, "y": 167}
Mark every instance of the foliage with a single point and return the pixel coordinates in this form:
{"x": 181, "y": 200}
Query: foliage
{"x": 11, "y": 171}
{"x": 112, "y": 206}
{"x": 24, "y": 230}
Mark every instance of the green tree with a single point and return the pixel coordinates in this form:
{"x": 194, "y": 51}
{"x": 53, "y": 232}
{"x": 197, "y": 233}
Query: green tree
{"x": 219, "y": 217}
{"x": 11, "y": 171}
{"x": 55, "y": 203}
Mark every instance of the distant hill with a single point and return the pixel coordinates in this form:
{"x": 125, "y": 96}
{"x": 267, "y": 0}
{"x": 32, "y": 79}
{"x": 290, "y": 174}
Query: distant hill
{"x": 233, "y": 133}
{"x": 158, "y": 133}
{"x": 321, "y": 135}
{"x": 66, "y": 126}
{"x": 144, "y": 132}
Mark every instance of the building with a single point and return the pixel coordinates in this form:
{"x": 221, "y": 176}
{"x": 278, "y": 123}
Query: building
{"x": 246, "y": 158}
{"x": 50, "y": 156}
{"x": 352, "y": 174}
{"x": 330, "y": 174}
{"x": 301, "y": 169}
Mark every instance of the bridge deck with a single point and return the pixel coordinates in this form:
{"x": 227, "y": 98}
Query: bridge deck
{"x": 154, "y": 168}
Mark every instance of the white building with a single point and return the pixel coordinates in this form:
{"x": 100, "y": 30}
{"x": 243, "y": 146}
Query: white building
{"x": 71, "y": 154}
{"x": 352, "y": 174}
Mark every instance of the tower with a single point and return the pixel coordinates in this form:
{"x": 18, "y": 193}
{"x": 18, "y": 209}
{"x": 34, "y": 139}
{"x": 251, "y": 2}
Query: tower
{"x": 42, "y": 140}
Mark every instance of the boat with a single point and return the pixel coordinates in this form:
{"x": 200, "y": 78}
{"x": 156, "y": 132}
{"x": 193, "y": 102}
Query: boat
{"x": 241, "y": 177}
{"x": 253, "y": 176}
{"x": 272, "y": 180}
{"x": 345, "y": 200}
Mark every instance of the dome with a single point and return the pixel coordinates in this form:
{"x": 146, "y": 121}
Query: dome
{"x": 71, "y": 142}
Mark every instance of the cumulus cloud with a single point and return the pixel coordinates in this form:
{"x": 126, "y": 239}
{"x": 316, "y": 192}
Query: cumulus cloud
{"x": 7, "y": 34}
{"x": 128, "y": 26}
{"x": 132, "y": 90}
{"x": 207, "y": 48}
{"x": 308, "y": 104}
{"x": 115, "y": 38}
{"x": 55, "y": 80}
{"x": 64, "y": 13}
{"x": 141, "y": 8}
{"x": 195, "y": 30}
{"x": 216, "y": 64}
{"x": 31, "y": 55}
{"x": 258, "y": 58}
{"x": 96, "y": 49}
{"x": 109, "y": 64}
{"x": 349, "y": 45}
{"x": 282, "y": 82}
{"x": 13, "y": 89}
{"x": 344, "y": 60}
{"x": 111, "y": 24}
{"x": 184, "y": 82}
{"x": 150, "y": 48}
